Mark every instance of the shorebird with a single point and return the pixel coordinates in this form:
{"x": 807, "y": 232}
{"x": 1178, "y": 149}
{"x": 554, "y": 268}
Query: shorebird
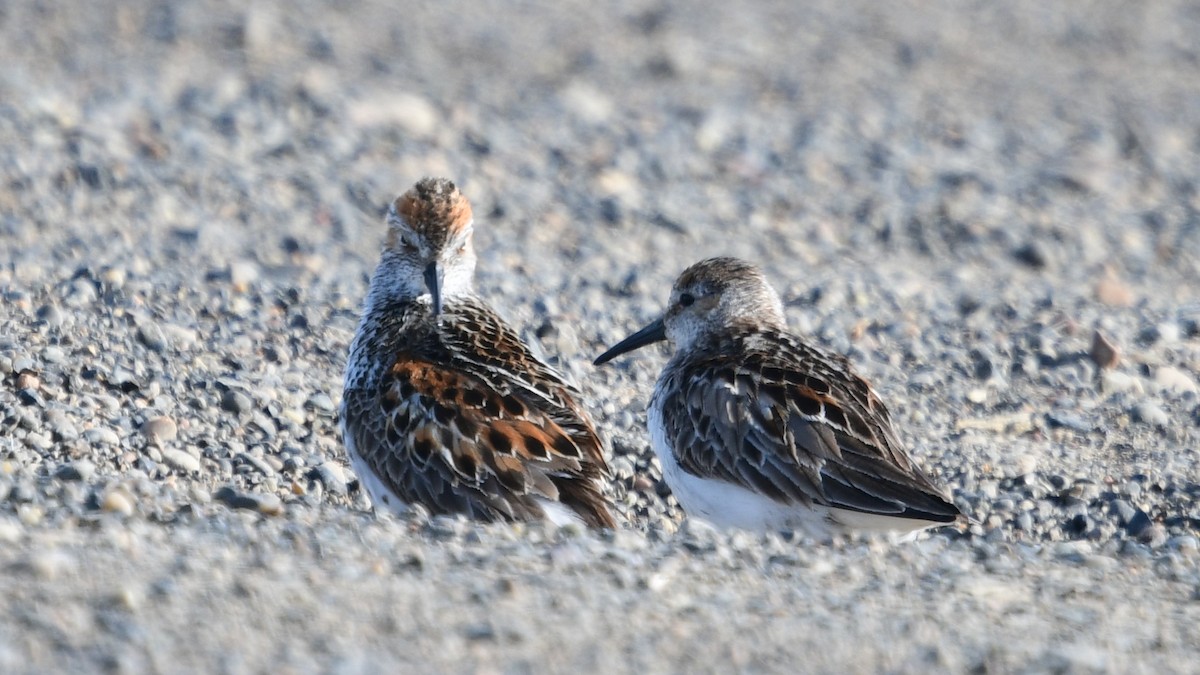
{"x": 755, "y": 429}
{"x": 443, "y": 404}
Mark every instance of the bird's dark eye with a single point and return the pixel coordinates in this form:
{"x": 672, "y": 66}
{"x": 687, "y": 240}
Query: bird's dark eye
{"x": 686, "y": 299}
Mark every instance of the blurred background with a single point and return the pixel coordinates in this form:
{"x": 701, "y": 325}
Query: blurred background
{"x": 1018, "y": 136}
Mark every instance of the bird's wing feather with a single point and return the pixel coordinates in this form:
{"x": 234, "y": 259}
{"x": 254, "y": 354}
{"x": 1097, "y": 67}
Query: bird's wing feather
{"x": 795, "y": 424}
{"x": 471, "y": 422}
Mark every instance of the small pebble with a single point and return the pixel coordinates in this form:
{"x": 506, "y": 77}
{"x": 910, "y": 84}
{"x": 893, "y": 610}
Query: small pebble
{"x": 1113, "y": 292}
{"x": 331, "y": 476}
{"x": 30, "y": 514}
{"x": 181, "y": 460}
{"x": 62, "y": 426}
{"x": 10, "y": 529}
{"x": 28, "y": 380}
{"x": 1104, "y": 353}
{"x": 236, "y": 402}
{"x": 152, "y": 336}
{"x": 243, "y": 274}
{"x": 1113, "y": 382}
{"x": 1175, "y": 381}
{"x": 50, "y": 565}
{"x": 322, "y": 402}
{"x": 128, "y": 598}
{"x": 1068, "y": 421}
{"x": 79, "y": 470}
{"x": 267, "y": 504}
{"x": 1150, "y": 412}
{"x": 51, "y": 315}
{"x": 54, "y": 355}
{"x": 1184, "y": 543}
{"x": 101, "y": 436}
{"x": 117, "y": 500}
{"x": 1154, "y": 536}
{"x": 257, "y": 463}
{"x": 160, "y": 429}
{"x": 1138, "y": 524}
{"x": 38, "y": 441}
{"x": 1123, "y": 510}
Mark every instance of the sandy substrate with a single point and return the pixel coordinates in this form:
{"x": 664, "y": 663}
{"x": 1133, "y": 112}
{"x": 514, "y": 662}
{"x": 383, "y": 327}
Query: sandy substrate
{"x": 958, "y": 198}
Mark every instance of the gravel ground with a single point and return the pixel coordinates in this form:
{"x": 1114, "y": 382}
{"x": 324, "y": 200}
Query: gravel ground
{"x": 991, "y": 208}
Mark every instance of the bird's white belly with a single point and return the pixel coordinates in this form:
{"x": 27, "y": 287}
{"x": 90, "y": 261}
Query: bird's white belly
{"x": 727, "y": 505}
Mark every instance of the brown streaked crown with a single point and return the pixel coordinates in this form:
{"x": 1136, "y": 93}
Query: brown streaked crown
{"x": 718, "y": 274}
{"x": 434, "y": 209}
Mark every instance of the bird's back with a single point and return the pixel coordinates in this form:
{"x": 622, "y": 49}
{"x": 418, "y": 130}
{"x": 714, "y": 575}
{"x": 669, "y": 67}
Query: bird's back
{"x": 760, "y": 409}
{"x": 457, "y": 414}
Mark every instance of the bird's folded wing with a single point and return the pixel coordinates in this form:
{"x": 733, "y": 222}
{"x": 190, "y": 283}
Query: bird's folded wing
{"x": 797, "y": 438}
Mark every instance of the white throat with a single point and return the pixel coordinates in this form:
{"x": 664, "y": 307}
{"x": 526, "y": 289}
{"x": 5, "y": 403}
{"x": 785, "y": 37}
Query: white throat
{"x": 398, "y": 279}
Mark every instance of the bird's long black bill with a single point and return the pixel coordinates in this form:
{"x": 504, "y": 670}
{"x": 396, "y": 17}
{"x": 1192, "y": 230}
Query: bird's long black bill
{"x": 433, "y": 281}
{"x": 655, "y": 332}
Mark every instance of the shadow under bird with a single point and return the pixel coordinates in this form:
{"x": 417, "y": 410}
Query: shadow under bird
{"x": 756, "y": 429}
{"x": 443, "y": 404}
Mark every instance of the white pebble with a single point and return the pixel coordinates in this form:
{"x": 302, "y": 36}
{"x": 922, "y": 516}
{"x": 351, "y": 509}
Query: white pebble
{"x": 1174, "y": 380}
{"x": 180, "y": 460}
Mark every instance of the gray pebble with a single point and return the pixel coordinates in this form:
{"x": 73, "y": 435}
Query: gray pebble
{"x": 101, "y": 436}
{"x": 321, "y": 402}
{"x": 179, "y": 337}
{"x": 256, "y": 463}
{"x": 1138, "y": 524}
{"x": 1133, "y": 489}
{"x": 22, "y": 492}
{"x": 1154, "y": 536}
{"x": 236, "y": 402}
{"x": 1184, "y": 542}
{"x": 51, "y": 315}
{"x": 698, "y": 536}
{"x": 622, "y": 468}
{"x": 1078, "y": 525}
{"x": 480, "y": 631}
{"x": 1025, "y": 521}
{"x": 124, "y": 379}
{"x": 81, "y": 294}
{"x": 1068, "y": 421}
{"x": 79, "y": 470}
{"x": 260, "y": 421}
{"x": 152, "y": 336}
{"x": 1124, "y": 511}
{"x": 294, "y": 463}
{"x": 267, "y": 504}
